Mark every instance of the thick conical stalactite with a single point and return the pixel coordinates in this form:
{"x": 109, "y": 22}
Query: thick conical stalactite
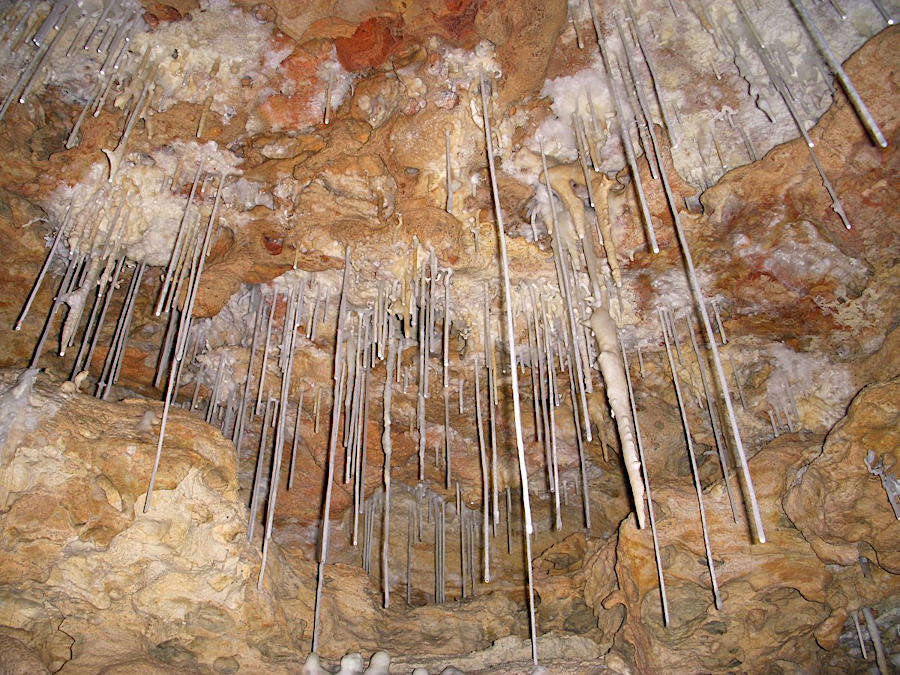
{"x": 612, "y": 367}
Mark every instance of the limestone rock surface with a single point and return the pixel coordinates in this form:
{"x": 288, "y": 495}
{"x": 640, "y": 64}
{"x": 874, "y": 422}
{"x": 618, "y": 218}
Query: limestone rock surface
{"x": 93, "y": 580}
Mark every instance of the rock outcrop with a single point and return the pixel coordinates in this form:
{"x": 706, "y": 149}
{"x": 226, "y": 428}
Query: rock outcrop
{"x": 348, "y": 125}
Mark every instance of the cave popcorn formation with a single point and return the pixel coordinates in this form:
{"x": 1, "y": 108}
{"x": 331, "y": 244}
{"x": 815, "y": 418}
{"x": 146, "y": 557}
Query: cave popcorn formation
{"x": 250, "y": 207}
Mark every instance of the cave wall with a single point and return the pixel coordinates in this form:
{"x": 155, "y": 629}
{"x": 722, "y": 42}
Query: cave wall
{"x": 92, "y": 583}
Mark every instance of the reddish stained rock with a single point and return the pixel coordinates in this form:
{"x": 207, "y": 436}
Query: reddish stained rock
{"x": 158, "y": 13}
{"x": 273, "y": 246}
{"x": 459, "y": 21}
{"x": 300, "y": 66}
{"x": 302, "y": 107}
{"x": 288, "y": 112}
{"x": 370, "y": 45}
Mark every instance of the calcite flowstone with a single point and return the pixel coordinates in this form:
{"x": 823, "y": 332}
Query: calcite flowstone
{"x": 843, "y": 509}
{"x": 786, "y": 601}
{"x": 92, "y": 580}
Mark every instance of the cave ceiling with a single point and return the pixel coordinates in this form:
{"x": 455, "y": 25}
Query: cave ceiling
{"x": 632, "y": 254}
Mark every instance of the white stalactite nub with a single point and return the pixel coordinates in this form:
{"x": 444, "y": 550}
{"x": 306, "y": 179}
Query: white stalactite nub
{"x": 613, "y": 369}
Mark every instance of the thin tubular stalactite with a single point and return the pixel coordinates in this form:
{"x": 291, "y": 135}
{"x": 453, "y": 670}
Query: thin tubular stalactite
{"x": 713, "y": 411}
{"x": 704, "y": 316}
{"x": 650, "y": 511}
{"x": 484, "y": 473}
{"x": 510, "y": 336}
{"x": 387, "y": 447}
{"x": 690, "y": 447}
{"x": 332, "y": 447}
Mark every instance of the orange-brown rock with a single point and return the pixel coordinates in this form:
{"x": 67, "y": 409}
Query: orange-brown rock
{"x": 158, "y": 13}
{"x": 89, "y": 583}
{"x": 525, "y": 34}
{"x": 83, "y": 563}
{"x": 783, "y": 601}
{"x": 842, "y": 509}
{"x": 370, "y": 45}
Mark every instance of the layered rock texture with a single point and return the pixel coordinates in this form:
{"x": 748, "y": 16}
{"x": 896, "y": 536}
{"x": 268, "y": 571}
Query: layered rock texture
{"x": 91, "y": 584}
{"x": 208, "y": 182}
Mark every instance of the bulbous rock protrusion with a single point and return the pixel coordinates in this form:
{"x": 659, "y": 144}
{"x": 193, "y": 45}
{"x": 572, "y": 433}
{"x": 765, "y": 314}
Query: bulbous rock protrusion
{"x": 379, "y": 664}
{"x": 564, "y": 178}
{"x": 312, "y": 666}
{"x": 351, "y": 664}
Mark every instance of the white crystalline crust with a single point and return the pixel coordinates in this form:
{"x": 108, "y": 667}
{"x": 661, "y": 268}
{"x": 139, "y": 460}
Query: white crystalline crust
{"x": 697, "y": 49}
{"x": 14, "y": 402}
{"x": 569, "y": 94}
{"x": 338, "y": 82}
{"x": 216, "y": 33}
{"x": 463, "y": 64}
{"x": 206, "y": 58}
{"x": 152, "y": 213}
{"x": 72, "y": 73}
{"x": 206, "y": 54}
{"x": 810, "y": 375}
